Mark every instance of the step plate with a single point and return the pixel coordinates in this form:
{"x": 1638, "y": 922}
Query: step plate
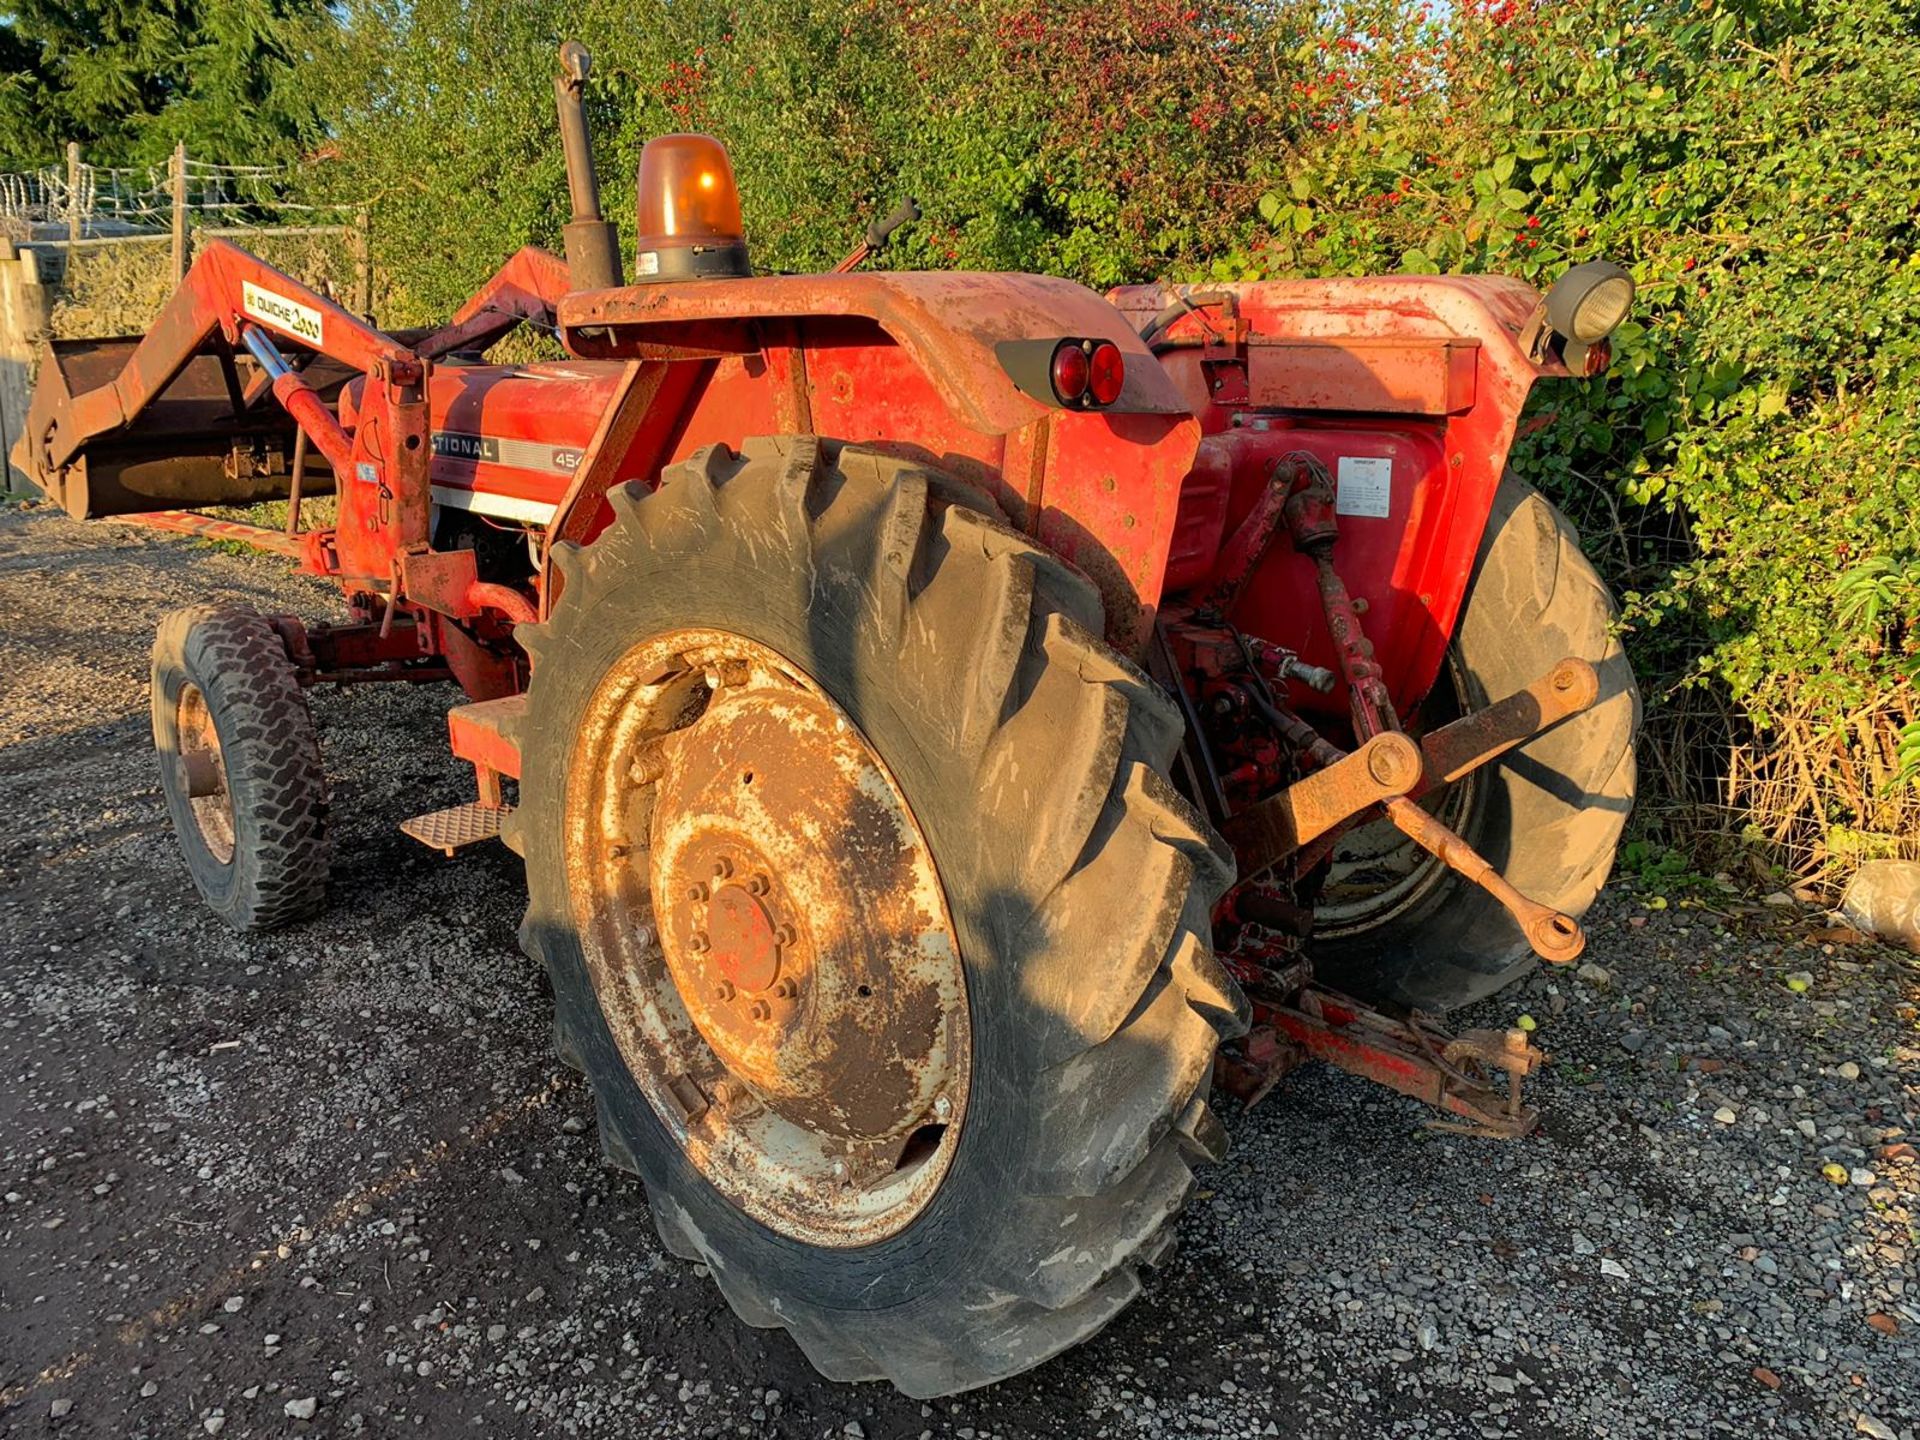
{"x": 457, "y": 826}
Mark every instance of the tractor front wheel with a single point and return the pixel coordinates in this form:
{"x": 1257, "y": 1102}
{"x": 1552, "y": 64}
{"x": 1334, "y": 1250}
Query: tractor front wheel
{"x": 240, "y": 766}
{"x": 872, "y": 917}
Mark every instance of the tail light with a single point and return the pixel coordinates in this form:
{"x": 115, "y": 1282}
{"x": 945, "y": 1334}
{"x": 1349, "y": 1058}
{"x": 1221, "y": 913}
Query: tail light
{"x": 1107, "y": 373}
{"x": 690, "y": 224}
{"x": 1074, "y": 373}
{"x": 1069, "y": 372}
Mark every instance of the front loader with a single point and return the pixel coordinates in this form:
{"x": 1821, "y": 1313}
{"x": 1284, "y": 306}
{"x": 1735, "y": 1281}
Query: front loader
{"x": 951, "y": 722}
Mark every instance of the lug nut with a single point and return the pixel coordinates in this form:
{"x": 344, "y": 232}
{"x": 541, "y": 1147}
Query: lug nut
{"x": 758, "y": 885}
{"x": 760, "y": 1010}
{"x": 724, "y": 991}
{"x": 698, "y": 942}
{"x": 696, "y": 892}
{"x": 785, "y": 935}
{"x": 722, "y": 868}
{"x": 785, "y": 988}
{"x": 942, "y": 1107}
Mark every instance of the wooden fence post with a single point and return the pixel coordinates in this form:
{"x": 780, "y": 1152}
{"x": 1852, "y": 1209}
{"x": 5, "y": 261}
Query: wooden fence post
{"x": 26, "y": 307}
{"x": 362, "y": 264}
{"x": 73, "y": 190}
{"x": 182, "y": 252}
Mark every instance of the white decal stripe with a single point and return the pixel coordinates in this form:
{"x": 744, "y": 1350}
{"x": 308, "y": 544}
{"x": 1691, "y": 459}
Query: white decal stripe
{"x": 501, "y": 507}
{"x": 459, "y": 447}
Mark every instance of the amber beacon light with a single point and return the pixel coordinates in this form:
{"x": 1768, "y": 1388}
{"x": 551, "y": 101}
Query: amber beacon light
{"x": 689, "y": 211}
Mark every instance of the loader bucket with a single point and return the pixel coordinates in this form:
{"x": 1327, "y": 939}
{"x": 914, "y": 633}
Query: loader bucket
{"x": 191, "y": 446}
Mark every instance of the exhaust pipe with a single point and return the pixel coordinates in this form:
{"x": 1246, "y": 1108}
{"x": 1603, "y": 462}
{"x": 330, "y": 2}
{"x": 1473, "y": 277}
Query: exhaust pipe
{"x": 593, "y": 246}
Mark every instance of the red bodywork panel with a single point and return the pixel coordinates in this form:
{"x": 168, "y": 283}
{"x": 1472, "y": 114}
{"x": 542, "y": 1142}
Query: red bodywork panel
{"x": 1407, "y": 389}
{"x": 507, "y": 439}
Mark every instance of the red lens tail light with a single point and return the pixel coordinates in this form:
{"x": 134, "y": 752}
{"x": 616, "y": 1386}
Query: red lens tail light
{"x": 1107, "y": 373}
{"x": 1074, "y": 372}
{"x": 1070, "y": 372}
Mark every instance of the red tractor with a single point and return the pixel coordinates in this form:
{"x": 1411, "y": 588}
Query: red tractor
{"x": 949, "y": 720}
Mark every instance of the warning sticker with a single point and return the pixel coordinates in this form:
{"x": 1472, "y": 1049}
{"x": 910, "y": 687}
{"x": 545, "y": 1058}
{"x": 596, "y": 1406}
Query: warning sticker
{"x": 303, "y": 322}
{"x": 1363, "y": 485}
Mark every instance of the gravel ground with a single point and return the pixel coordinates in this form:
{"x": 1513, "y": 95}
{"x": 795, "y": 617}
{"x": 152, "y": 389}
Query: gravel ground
{"x": 333, "y": 1182}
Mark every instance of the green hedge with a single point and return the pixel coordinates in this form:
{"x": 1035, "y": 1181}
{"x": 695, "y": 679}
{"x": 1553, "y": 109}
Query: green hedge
{"x": 1073, "y": 137}
{"x": 1757, "y": 166}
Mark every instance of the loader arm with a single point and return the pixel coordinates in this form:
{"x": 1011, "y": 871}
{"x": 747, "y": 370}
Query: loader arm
{"x": 225, "y": 291}
{"x": 191, "y": 383}
{"x": 177, "y": 423}
{"x": 527, "y": 288}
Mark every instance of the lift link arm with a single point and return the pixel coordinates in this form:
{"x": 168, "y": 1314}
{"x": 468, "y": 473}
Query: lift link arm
{"x": 1453, "y": 750}
{"x": 1386, "y": 767}
{"x": 1347, "y": 784}
{"x": 1312, "y": 521}
{"x": 1390, "y": 770}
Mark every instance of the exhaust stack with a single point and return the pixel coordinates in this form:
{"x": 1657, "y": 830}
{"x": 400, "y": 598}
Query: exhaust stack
{"x": 593, "y": 246}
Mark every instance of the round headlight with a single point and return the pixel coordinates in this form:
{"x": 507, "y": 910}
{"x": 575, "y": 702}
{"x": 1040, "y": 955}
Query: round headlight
{"x": 1588, "y": 302}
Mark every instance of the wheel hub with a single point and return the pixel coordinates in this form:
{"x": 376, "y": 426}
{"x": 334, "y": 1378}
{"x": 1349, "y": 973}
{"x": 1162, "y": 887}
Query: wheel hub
{"x": 736, "y": 958}
{"x": 801, "y": 920}
{"x": 204, "y": 769}
{"x": 743, "y": 943}
{"x": 768, "y": 937}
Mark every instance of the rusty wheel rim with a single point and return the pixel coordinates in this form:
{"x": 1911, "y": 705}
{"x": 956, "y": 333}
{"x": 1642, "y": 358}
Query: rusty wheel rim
{"x": 767, "y": 937}
{"x": 1376, "y": 872}
{"x": 204, "y": 773}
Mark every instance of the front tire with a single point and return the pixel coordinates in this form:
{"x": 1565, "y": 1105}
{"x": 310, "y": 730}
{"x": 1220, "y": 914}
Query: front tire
{"x": 1396, "y": 926}
{"x": 240, "y": 767}
{"x": 1033, "y": 762}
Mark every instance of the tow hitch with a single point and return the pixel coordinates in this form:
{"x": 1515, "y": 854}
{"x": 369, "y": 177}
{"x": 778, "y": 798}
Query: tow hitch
{"x": 1458, "y": 1075}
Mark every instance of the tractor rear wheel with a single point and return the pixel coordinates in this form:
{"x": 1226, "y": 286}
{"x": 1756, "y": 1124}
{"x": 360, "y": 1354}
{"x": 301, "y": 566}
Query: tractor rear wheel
{"x": 240, "y": 766}
{"x": 871, "y": 915}
{"x": 1393, "y": 924}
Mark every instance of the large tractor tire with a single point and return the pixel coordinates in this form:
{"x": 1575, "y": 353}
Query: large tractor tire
{"x": 871, "y": 915}
{"x": 240, "y": 767}
{"x": 1393, "y": 924}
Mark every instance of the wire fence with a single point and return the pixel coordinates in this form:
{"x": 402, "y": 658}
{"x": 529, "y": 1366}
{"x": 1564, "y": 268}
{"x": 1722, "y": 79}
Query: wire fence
{"x": 80, "y": 200}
